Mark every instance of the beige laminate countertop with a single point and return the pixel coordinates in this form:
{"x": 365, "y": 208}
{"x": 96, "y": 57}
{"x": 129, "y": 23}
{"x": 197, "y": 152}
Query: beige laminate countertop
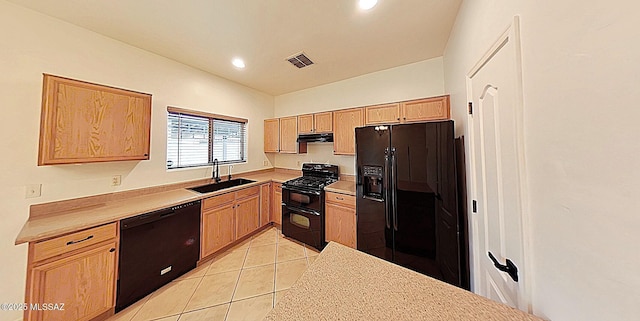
{"x": 342, "y": 187}
{"x": 345, "y": 284}
{"x": 40, "y": 228}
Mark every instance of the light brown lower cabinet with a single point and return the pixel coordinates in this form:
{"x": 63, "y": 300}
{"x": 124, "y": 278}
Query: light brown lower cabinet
{"x": 247, "y": 215}
{"x": 217, "y": 228}
{"x": 75, "y": 285}
{"x": 276, "y": 210}
{"x": 228, "y": 217}
{"x": 265, "y": 204}
{"x": 340, "y": 219}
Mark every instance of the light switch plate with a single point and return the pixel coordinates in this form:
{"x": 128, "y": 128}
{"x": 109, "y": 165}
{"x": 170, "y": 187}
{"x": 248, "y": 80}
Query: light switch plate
{"x": 33, "y": 190}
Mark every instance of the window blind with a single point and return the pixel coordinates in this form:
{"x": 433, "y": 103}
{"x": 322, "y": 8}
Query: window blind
{"x": 196, "y": 140}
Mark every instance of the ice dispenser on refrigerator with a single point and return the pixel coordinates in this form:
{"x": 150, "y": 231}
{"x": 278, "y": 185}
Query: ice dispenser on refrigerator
{"x": 373, "y": 182}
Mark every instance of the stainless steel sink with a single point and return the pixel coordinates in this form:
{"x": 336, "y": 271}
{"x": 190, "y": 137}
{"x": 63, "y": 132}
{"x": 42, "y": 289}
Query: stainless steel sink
{"x": 222, "y": 185}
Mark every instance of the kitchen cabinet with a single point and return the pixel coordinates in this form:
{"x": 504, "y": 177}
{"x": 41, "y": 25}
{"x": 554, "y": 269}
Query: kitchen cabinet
{"x": 436, "y": 108}
{"x": 247, "y": 211}
{"x": 217, "y": 223}
{"x": 265, "y": 204}
{"x": 276, "y": 210}
{"x": 77, "y": 270}
{"x": 272, "y": 135}
{"x": 83, "y": 122}
{"x": 382, "y": 114}
{"x": 229, "y": 217}
{"x": 344, "y": 124}
{"x": 340, "y": 219}
{"x": 315, "y": 123}
{"x": 289, "y": 135}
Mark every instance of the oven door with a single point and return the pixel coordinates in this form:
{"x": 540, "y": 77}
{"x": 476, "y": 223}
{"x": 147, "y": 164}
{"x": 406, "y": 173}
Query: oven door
{"x": 306, "y": 200}
{"x": 303, "y": 225}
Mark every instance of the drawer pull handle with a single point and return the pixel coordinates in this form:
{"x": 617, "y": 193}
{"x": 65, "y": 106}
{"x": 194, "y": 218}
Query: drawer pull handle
{"x": 78, "y": 241}
{"x": 339, "y": 198}
{"x": 113, "y": 249}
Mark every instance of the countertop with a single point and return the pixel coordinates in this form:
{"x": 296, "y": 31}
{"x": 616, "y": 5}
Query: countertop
{"x": 346, "y": 284}
{"x": 90, "y": 215}
{"x": 342, "y": 187}
{"x": 40, "y": 228}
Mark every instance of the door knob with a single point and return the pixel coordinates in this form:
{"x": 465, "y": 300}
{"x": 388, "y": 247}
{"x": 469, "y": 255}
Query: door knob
{"x": 510, "y": 268}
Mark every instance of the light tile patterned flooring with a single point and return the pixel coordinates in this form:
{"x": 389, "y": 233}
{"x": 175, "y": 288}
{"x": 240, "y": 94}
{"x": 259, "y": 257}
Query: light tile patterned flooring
{"x": 243, "y": 283}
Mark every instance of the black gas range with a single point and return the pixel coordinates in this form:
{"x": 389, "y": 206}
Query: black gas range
{"x": 303, "y": 204}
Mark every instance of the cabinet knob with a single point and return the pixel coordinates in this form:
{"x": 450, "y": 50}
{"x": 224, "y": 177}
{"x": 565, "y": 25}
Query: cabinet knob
{"x": 112, "y": 250}
{"x": 398, "y": 118}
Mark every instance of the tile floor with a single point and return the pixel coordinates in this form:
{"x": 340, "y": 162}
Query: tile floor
{"x": 243, "y": 283}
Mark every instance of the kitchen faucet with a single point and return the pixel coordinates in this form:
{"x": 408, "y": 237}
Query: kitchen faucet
{"x": 229, "y": 171}
{"x": 215, "y": 172}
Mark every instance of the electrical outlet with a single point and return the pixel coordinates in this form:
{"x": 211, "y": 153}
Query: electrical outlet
{"x": 265, "y": 163}
{"x": 33, "y": 190}
{"x": 116, "y": 180}
{"x": 299, "y": 163}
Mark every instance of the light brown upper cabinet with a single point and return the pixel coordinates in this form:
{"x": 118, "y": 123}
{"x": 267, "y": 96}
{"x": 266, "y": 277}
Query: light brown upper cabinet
{"x": 344, "y": 124}
{"x": 315, "y": 123}
{"x": 289, "y": 135}
{"x": 272, "y": 135}
{"x": 382, "y": 114}
{"x": 436, "y": 108}
{"x": 83, "y": 122}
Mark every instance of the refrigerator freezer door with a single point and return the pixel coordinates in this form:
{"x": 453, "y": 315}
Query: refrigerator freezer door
{"x": 374, "y": 237}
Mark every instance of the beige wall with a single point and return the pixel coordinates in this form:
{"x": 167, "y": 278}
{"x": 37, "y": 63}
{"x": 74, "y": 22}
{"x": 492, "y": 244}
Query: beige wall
{"x": 580, "y": 80}
{"x": 417, "y": 80}
{"x": 33, "y": 44}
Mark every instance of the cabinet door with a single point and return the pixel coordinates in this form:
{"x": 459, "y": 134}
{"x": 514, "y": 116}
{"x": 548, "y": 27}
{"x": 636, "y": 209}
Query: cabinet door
{"x": 323, "y": 122}
{"x": 84, "y": 283}
{"x": 271, "y": 135}
{"x": 340, "y": 224}
{"x": 276, "y": 211}
{"x": 289, "y": 135}
{"x": 217, "y": 229}
{"x": 436, "y": 108}
{"x": 344, "y": 124}
{"x": 382, "y": 114}
{"x": 265, "y": 204}
{"x": 305, "y": 124}
{"x": 247, "y": 215}
{"x": 84, "y": 122}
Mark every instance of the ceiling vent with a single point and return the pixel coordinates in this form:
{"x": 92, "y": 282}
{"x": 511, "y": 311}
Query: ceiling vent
{"x": 300, "y": 60}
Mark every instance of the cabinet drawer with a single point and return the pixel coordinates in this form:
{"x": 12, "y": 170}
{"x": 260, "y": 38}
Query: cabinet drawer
{"x": 215, "y": 201}
{"x": 248, "y": 192}
{"x": 341, "y": 199}
{"x": 59, "y": 245}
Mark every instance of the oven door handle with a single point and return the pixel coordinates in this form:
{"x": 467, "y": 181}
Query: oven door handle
{"x": 296, "y": 209}
{"x": 297, "y": 190}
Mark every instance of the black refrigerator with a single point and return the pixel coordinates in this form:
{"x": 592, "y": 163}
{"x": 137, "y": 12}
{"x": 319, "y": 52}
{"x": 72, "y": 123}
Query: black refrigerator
{"x": 407, "y": 197}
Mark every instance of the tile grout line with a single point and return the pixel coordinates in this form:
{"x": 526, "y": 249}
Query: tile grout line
{"x": 226, "y": 315}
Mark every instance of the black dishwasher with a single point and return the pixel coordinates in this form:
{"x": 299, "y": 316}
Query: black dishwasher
{"x": 156, "y": 248}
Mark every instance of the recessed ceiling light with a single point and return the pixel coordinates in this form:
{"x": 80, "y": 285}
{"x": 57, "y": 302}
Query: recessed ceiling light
{"x": 238, "y": 62}
{"x": 367, "y": 4}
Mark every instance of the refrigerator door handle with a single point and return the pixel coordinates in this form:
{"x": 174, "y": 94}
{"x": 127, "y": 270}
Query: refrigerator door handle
{"x": 394, "y": 198}
{"x": 385, "y": 184}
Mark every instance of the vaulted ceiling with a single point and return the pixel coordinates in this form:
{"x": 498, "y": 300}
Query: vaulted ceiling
{"x": 343, "y": 40}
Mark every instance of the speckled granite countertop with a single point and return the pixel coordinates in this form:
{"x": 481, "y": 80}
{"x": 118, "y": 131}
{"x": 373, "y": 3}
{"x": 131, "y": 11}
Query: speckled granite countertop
{"x": 345, "y": 284}
{"x": 343, "y": 187}
{"x": 90, "y": 215}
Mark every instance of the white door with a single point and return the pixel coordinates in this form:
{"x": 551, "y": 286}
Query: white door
{"x": 494, "y": 88}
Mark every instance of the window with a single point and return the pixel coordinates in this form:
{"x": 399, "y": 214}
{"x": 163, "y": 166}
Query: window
{"x": 196, "y": 138}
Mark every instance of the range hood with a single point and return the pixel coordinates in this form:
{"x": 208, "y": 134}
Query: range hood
{"x": 315, "y": 138}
